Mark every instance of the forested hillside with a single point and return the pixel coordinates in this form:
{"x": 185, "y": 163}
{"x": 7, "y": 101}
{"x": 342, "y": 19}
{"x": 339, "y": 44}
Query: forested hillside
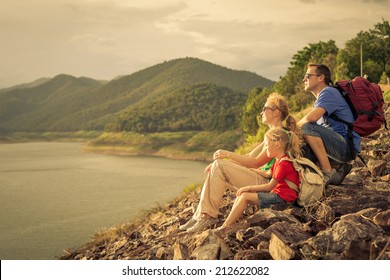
{"x": 66, "y": 103}
{"x": 200, "y": 107}
{"x": 36, "y": 108}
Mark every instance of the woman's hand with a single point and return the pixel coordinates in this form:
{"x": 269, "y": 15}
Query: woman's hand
{"x": 221, "y": 154}
{"x": 208, "y": 167}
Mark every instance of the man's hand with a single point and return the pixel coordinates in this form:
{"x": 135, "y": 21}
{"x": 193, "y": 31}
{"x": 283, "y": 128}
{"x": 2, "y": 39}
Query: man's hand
{"x": 313, "y": 116}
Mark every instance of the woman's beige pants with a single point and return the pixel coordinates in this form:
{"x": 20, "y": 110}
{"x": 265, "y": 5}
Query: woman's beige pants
{"x": 224, "y": 174}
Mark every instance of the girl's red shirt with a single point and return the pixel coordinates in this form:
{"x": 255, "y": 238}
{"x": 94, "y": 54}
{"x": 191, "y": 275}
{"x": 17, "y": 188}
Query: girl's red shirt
{"x": 284, "y": 170}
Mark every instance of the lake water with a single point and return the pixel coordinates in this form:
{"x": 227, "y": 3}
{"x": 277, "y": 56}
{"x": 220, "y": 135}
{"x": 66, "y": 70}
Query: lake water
{"x": 53, "y": 197}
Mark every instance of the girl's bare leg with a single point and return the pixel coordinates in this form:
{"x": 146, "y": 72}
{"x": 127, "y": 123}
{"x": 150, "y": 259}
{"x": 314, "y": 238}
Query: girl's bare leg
{"x": 239, "y": 207}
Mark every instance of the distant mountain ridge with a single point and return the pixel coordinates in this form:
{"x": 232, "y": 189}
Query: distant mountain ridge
{"x": 67, "y": 103}
{"x": 26, "y": 85}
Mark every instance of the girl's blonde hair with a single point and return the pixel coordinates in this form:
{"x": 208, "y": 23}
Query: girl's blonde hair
{"x": 279, "y": 102}
{"x": 292, "y": 143}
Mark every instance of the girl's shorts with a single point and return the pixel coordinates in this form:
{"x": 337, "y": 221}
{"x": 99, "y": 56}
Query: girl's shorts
{"x": 266, "y": 199}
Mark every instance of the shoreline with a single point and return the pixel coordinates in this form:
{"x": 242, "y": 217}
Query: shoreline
{"x": 118, "y": 150}
{"x": 131, "y": 151}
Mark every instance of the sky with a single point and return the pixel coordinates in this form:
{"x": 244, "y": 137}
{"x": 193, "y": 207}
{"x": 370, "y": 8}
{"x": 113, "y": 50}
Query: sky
{"x": 103, "y": 39}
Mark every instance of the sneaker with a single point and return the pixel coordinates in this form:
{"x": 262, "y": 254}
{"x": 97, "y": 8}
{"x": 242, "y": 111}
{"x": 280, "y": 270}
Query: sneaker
{"x": 202, "y": 225}
{"x": 187, "y": 225}
{"x": 331, "y": 177}
{"x": 342, "y": 172}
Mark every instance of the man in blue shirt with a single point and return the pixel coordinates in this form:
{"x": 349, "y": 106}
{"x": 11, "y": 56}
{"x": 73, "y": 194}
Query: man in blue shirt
{"x": 328, "y": 138}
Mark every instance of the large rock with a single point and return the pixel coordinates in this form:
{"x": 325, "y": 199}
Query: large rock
{"x": 351, "y": 229}
{"x": 180, "y": 251}
{"x": 382, "y": 219}
{"x": 284, "y": 240}
{"x": 209, "y": 246}
{"x": 266, "y": 217}
{"x": 377, "y": 167}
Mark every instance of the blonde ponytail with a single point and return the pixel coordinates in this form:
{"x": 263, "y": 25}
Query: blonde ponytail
{"x": 294, "y": 145}
{"x": 291, "y": 142}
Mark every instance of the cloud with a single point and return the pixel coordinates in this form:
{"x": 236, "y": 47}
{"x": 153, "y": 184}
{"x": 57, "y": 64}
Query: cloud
{"x": 105, "y": 38}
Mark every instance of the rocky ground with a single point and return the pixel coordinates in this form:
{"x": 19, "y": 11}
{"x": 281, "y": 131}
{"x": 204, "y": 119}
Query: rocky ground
{"x": 351, "y": 222}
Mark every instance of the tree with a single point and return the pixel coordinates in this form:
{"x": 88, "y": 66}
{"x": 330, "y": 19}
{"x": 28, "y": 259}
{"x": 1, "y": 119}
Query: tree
{"x": 341, "y": 72}
{"x": 373, "y": 46}
{"x": 291, "y": 84}
{"x": 374, "y": 69}
{"x": 384, "y": 78}
{"x": 382, "y": 43}
{"x": 252, "y": 109}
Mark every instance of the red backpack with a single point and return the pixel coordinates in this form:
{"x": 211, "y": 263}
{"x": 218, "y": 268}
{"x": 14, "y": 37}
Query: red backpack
{"x": 366, "y": 102}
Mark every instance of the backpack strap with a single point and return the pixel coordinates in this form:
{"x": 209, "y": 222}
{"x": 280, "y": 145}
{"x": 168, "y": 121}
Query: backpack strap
{"x": 312, "y": 165}
{"x": 289, "y": 183}
{"x": 355, "y": 114}
{"x": 344, "y": 94}
{"x": 292, "y": 185}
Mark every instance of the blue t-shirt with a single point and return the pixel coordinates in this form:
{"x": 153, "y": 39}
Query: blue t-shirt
{"x": 331, "y": 100}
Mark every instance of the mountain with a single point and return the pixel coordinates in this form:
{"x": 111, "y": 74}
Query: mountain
{"x": 66, "y": 103}
{"x": 27, "y": 85}
{"x": 36, "y": 108}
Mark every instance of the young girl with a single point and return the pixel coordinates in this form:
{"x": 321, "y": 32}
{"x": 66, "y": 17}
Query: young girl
{"x": 279, "y": 143}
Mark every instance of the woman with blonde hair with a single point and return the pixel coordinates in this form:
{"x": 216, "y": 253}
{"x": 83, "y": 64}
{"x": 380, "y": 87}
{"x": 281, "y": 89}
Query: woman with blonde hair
{"x": 240, "y": 170}
{"x": 279, "y": 145}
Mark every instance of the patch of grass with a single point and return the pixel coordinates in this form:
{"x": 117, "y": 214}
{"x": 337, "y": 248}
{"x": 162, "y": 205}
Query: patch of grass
{"x": 208, "y": 141}
{"x": 191, "y": 188}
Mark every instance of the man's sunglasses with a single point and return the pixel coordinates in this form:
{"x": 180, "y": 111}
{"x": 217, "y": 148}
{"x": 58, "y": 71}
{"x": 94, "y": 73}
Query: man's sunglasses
{"x": 308, "y": 75}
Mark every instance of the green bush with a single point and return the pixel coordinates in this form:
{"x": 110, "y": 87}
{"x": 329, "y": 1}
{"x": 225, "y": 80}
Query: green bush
{"x": 386, "y": 95}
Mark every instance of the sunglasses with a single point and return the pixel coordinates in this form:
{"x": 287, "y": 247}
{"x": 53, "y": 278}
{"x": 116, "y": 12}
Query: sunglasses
{"x": 266, "y": 107}
{"x": 308, "y": 75}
